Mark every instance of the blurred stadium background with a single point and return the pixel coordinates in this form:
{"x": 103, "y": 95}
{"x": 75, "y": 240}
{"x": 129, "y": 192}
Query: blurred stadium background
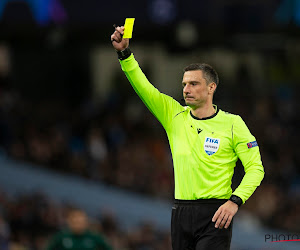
{"x": 74, "y": 133}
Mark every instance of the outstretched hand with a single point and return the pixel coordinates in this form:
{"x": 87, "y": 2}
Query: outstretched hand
{"x": 223, "y": 216}
{"x": 117, "y": 39}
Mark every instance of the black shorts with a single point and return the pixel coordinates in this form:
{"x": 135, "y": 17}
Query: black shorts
{"x": 192, "y": 227}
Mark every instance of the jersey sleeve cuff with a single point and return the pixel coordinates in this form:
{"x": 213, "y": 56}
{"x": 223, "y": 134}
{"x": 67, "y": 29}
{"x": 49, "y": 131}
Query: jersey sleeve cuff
{"x": 238, "y": 195}
{"x": 129, "y": 63}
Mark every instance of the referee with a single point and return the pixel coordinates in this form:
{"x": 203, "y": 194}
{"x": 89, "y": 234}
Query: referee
{"x": 205, "y": 142}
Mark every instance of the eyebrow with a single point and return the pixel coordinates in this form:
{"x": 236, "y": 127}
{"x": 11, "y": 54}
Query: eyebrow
{"x": 190, "y": 82}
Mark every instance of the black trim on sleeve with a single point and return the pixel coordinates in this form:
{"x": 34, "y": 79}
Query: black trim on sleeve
{"x": 237, "y": 200}
{"x": 124, "y": 54}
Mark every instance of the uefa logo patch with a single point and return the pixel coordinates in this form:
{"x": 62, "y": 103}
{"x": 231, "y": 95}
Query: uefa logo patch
{"x": 252, "y": 144}
{"x": 211, "y": 145}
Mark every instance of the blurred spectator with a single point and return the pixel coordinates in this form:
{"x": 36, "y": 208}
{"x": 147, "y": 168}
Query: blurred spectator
{"x": 4, "y": 234}
{"x": 97, "y": 150}
{"x": 77, "y": 235}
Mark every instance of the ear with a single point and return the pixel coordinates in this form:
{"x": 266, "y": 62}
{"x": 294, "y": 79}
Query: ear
{"x": 212, "y": 87}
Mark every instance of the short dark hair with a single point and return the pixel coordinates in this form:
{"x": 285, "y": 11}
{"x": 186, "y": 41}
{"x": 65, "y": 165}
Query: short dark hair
{"x": 209, "y": 73}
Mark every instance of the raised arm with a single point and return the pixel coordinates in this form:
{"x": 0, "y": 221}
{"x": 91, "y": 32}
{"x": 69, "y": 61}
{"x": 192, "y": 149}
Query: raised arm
{"x": 162, "y": 106}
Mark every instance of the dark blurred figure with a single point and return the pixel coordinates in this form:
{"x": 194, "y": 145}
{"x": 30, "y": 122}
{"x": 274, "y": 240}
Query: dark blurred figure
{"x": 77, "y": 236}
{"x": 4, "y": 234}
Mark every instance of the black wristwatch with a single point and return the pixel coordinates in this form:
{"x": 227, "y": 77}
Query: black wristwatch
{"x": 122, "y": 55}
{"x": 237, "y": 200}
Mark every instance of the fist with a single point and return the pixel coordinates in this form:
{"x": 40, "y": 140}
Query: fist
{"x": 118, "y": 42}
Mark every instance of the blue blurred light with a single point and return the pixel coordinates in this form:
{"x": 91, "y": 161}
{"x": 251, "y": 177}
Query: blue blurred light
{"x": 43, "y": 11}
{"x": 163, "y": 11}
{"x": 288, "y": 11}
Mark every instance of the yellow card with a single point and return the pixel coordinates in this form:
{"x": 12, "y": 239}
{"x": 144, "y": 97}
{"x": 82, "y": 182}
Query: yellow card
{"x": 128, "y": 27}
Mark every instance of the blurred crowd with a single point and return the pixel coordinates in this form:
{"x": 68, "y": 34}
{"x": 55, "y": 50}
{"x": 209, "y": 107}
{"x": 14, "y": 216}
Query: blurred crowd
{"x": 33, "y": 222}
{"x": 101, "y": 146}
{"x": 120, "y": 143}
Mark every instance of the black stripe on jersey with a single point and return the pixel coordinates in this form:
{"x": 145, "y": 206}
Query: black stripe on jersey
{"x": 179, "y": 113}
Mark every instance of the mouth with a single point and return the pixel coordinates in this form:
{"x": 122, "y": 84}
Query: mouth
{"x": 188, "y": 97}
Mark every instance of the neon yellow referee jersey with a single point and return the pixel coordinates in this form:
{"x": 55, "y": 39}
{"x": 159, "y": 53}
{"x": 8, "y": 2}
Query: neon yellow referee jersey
{"x": 204, "y": 151}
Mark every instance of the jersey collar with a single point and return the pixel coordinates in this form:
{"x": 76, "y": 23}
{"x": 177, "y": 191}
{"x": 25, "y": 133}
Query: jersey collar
{"x": 209, "y": 117}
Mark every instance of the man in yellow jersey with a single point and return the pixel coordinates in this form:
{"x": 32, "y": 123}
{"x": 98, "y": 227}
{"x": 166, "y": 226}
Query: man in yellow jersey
{"x": 205, "y": 142}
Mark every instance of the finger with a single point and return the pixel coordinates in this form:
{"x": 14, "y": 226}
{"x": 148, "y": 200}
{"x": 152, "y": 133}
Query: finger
{"x": 116, "y": 37}
{"x": 117, "y": 27}
{"x": 228, "y": 222}
{"x": 216, "y": 215}
{"x": 224, "y": 220}
{"x": 220, "y": 218}
{"x": 120, "y": 30}
{"x": 113, "y": 38}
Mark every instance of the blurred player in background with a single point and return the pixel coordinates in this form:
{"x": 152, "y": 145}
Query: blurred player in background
{"x": 205, "y": 142}
{"x": 77, "y": 235}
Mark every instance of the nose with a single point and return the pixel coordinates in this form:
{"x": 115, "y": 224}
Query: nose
{"x": 186, "y": 89}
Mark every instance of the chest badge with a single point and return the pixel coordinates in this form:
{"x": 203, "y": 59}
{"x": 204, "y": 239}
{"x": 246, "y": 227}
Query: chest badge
{"x": 211, "y": 145}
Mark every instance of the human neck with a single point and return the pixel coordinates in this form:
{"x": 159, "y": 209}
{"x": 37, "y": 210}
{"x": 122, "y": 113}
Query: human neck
{"x": 204, "y": 111}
